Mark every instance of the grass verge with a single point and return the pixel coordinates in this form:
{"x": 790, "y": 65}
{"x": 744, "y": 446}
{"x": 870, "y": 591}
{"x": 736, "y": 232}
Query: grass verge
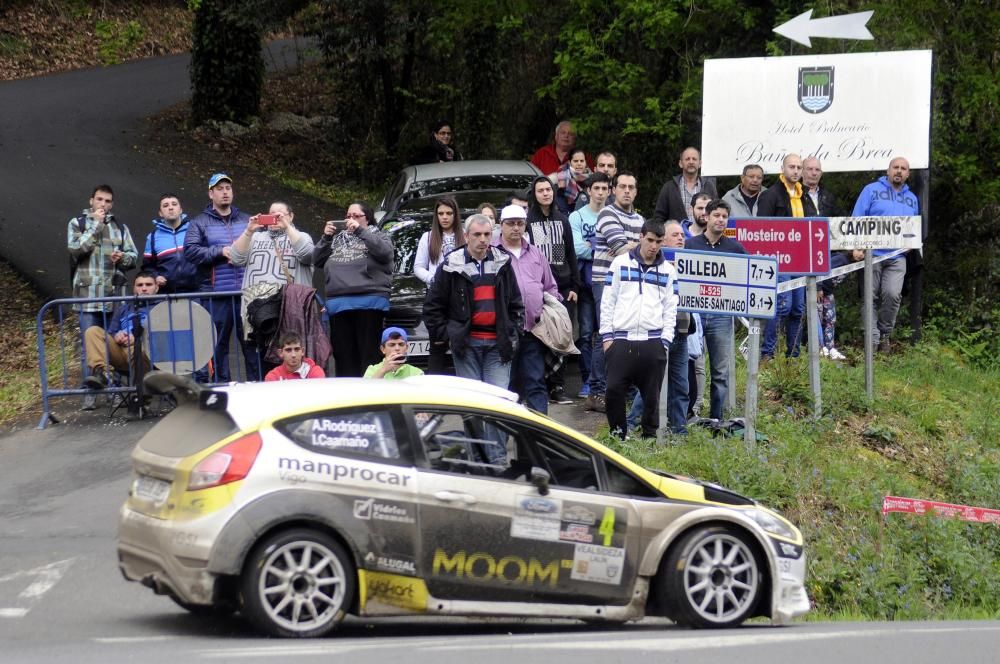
{"x": 930, "y": 433}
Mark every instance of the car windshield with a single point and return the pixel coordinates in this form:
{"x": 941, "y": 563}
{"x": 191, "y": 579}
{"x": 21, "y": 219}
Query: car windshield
{"x": 405, "y": 236}
{"x": 477, "y": 183}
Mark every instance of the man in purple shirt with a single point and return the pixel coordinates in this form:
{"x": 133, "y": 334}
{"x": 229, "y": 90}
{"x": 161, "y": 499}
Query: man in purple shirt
{"x": 534, "y": 278}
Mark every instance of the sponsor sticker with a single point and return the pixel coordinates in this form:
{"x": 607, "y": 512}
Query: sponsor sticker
{"x": 373, "y": 510}
{"x": 575, "y": 532}
{"x": 392, "y": 589}
{"x": 579, "y": 514}
{"x": 510, "y": 569}
{"x": 536, "y": 518}
{"x": 598, "y": 564}
{"x": 295, "y": 470}
{"x": 397, "y": 564}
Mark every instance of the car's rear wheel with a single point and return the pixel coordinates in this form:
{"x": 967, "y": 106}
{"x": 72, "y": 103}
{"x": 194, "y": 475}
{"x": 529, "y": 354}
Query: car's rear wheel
{"x": 297, "y": 583}
{"x": 712, "y": 578}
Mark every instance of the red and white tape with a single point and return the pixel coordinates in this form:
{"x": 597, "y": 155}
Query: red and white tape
{"x": 946, "y": 510}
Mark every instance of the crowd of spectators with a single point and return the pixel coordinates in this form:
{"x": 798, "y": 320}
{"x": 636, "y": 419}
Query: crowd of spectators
{"x": 509, "y": 291}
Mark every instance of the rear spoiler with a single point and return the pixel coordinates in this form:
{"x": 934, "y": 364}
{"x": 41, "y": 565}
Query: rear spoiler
{"x": 185, "y": 390}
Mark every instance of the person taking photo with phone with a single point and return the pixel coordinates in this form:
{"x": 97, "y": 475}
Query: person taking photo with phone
{"x": 393, "y": 365}
{"x": 357, "y": 261}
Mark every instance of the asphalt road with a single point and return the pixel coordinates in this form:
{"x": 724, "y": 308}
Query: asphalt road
{"x": 62, "y": 598}
{"x": 62, "y": 134}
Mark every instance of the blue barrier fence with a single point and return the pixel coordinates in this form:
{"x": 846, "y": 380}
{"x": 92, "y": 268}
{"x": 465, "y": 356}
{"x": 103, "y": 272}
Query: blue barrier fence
{"x": 182, "y": 337}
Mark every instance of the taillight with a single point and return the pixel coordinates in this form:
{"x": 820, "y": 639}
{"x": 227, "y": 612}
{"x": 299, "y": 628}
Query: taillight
{"x": 228, "y": 464}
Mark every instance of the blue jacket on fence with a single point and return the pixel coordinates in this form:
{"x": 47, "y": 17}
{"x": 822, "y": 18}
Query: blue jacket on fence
{"x": 207, "y": 235}
{"x": 164, "y": 256}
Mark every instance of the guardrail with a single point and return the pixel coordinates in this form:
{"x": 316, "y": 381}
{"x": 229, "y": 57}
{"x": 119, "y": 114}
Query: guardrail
{"x": 174, "y": 343}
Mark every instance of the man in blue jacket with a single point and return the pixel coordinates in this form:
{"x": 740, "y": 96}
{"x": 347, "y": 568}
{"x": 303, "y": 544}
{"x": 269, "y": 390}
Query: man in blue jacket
{"x": 206, "y": 244}
{"x": 889, "y": 196}
{"x": 164, "y": 253}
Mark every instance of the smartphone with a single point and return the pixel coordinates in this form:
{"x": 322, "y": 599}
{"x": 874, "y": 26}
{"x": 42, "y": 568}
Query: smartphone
{"x": 267, "y": 219}
{"x": 340, "y": 224}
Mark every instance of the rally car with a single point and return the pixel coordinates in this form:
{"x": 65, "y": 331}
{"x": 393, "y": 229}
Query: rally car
{"x": 298, "y": 502}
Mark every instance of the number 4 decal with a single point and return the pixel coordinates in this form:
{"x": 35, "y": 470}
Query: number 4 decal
{"x": 607, "y": 527}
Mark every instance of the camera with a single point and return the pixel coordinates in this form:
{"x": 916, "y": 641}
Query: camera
{"x": 267, "y": 219}
{"x": 119, "y": 279}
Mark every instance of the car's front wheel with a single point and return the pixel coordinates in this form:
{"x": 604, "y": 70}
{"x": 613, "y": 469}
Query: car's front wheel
{"x": 712, "y": 578}
{"x": 297, "y": 583}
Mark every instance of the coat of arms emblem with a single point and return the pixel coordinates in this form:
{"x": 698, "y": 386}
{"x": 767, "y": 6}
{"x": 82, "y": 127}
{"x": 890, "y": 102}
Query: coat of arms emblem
{"x": 815, "y": 88}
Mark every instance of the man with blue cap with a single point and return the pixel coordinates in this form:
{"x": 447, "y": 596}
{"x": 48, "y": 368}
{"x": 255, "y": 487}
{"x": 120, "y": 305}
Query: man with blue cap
{"x": 393, "y": 365}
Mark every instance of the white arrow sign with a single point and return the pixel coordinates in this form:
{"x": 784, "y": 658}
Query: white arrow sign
{"x": 848, "y": 26}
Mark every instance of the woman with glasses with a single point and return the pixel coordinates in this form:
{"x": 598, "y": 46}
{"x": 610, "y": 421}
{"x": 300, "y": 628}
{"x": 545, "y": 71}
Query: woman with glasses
{"x": 445, "y": 235}
{"x": 440, "y": 148}
{"x": 357, "y": 262}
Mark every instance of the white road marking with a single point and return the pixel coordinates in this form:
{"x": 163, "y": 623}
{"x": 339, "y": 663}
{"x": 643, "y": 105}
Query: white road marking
{"x": 320, "y": 648}
{"x": 702, "y": 642}
{"x": 131, "y": 639}
{"x": 46, "y": 577}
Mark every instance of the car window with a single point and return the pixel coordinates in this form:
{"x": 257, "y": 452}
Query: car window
{"x": 405, "y": 238}
{"x": 622, "y": 482}
{"x": 479, "y": 444}
{"x": 395, "y": 192}
{"x": 361, "y": 433}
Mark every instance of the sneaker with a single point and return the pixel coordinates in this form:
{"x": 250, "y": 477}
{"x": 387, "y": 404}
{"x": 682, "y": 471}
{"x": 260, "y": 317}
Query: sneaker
{"x": 558, "y": 395}
{"x": 824, "y": 352}
{"x": 596, "y": 403}
{"x": 834, "y": 354}
{"x": 584, "y": 391}
{"x": 883, "y": 345}
{"x": 89, "y": 402}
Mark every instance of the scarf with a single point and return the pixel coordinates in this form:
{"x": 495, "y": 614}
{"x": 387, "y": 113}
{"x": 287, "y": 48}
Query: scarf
{"x": 570, "y": 183}
{"x": 794, "y": 197}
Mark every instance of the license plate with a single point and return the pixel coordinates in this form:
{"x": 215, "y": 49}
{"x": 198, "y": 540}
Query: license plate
{"x": 419, "y": 347}
{"x": 151, "y": 489}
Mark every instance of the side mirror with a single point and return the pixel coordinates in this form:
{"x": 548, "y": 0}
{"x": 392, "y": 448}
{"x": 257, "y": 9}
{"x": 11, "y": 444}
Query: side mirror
{"x": 540, "y": 480}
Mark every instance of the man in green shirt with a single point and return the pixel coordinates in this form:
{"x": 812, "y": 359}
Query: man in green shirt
{"x": 393, "y": 364}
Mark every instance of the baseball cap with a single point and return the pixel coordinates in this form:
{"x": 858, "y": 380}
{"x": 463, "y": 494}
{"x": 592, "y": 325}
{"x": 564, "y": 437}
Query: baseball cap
{"x": 217, "y": 178}
{"x": 513, "y": 212}
{"x": 389, "y": 331}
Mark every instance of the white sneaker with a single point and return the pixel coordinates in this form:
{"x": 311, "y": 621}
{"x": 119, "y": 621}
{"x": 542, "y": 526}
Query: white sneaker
{"x": 834, "y": 354}
{"x": 824, "y": 351}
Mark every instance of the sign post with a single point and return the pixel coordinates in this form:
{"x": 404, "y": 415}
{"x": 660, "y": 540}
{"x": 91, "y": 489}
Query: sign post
{"x": 721, "y": 284}
{"x": 753, "y": 370}
{"x": 812, "y": 314}
{"x": 869, "y": 335}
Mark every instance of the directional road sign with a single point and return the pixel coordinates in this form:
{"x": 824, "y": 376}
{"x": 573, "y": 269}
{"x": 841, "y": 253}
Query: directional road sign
{"x": 801, "y": 245}
{"x": 875, "y": 233}
{"x": 846, "y": 26}
{"x": 181, "y": 336}
{"x": 727, "y": 284}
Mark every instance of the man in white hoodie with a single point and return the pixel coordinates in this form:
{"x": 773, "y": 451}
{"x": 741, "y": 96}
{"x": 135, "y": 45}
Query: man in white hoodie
{"x": 638, "y": 316}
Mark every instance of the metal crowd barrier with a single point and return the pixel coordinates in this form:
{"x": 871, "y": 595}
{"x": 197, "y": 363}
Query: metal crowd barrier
{"x": 183, "y": 340}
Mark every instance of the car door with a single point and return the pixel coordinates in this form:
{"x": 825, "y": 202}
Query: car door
{"x": 488, "y": 534}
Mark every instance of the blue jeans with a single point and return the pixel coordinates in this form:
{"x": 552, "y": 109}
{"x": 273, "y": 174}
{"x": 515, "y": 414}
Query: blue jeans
{"x": 598, "y": 375}
{"x": 481, "y": 361}
{"x": 718, "y": 336}
{"x": 528, "y": 378}
{"x": 791, "y": 306}
{"x": 226, "y": 317}
{"x": 677, "y": 389}
{"x": 586, "y": 315}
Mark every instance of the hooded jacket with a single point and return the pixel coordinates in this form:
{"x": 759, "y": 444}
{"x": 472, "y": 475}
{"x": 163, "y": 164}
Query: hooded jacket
{"x": 738, "y": 204}
{"x": 552, "y": 234}
{"x": 207, "y": 235}
{"x": 879, "y": 199}
{"x": 164, "y": 256}
{"x": 355, "y": 263}
{"x": 448, "y": 307}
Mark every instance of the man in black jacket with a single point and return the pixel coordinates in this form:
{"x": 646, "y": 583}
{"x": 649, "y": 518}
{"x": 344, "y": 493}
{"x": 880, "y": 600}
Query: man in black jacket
{"x": 475, "y": 305}
{"x": 822, "y": 198}
{"x": 550, "y": 232}
{"x": 786, "y": 198}
{"x": 674, "y": 201}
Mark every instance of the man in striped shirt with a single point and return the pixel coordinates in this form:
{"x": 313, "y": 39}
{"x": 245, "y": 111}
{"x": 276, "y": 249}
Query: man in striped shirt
{"x": 618, "y": 231}
{"x": 474, "y": 304}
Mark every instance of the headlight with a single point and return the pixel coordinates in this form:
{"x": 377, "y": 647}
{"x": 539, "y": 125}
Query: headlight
{"x": 774, "y": 524}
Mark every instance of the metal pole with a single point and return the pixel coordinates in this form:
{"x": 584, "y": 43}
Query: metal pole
{"x": 869, "y": 301}
{"x": 731, "y": 378}
{"x": 812, "y": 322}
{"x": 753, "y": 365}
{"x": 664, "y": 426}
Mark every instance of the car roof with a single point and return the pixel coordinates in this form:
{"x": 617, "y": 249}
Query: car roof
{"x": 245, "y": 400}
{"x": 472, "y": 168}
